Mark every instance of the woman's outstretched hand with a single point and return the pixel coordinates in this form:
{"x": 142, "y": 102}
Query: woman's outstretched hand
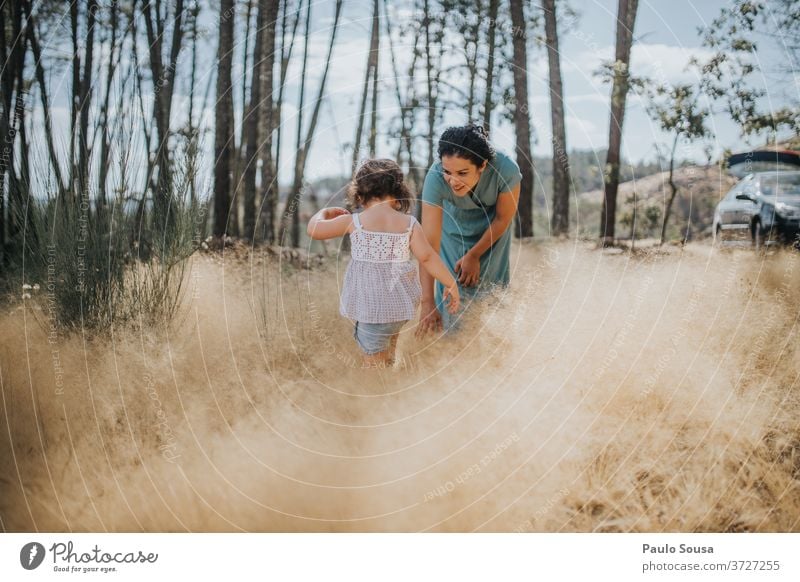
{"x": 430, "y": 319}
{"x": 468, "y": 269}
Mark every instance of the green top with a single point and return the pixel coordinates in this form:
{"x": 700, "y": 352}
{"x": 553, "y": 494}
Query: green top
{"x": 501, "y": 175}
{"x": 466, "y": 218}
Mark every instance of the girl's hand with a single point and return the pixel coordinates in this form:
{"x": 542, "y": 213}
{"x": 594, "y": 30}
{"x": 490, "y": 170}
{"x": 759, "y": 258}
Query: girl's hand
{"x": 429, "y": 320}
{"x": 469, "y": 270}
{"x": 455, "y": 298}
{"x": 333, "y": 212}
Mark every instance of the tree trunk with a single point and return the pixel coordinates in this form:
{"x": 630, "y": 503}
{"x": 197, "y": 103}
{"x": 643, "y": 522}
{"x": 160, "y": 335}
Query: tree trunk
{"x": 626, "y": 18}
{"x": 522, "y": 119}
{"x": 250, "y": 125}
{"x": 45, "y": 100}
{"x": 163, "y": 87}
{"x": 431, "y": 78}
{"x": 374, "y": 50}
{"x": 272, "y": 195}
{"x": 223, "y": 133}
{"x": 269, "y": 185}
{"x": 404, "y": 103}
{"x": 241, "y": 158}
{"x": 13, "y": 105}
{"x": 104, "y": 134}
{"x": 192, "y": 137}
{"x": 292, "y": 210}
{"x": 76, "y": 92}
{"x": 370, "y": 73}
{"x": 85, "y": 100}
{"x": 488, "y": 106}
{"x": 472, "y": 37}
{"x": 560, "y": 219}
{"x": 673, "y": 190}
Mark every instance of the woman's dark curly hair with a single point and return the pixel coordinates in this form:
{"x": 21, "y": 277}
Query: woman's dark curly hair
{"x": 470, "y": 142}
{"x": 377, "y": 179}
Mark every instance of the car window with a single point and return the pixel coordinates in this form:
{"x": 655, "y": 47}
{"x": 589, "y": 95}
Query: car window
{"x": 781, "y": 185}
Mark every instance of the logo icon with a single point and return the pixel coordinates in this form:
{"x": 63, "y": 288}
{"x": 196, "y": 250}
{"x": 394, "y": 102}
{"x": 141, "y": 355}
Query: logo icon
{"x": 31, "y": 555}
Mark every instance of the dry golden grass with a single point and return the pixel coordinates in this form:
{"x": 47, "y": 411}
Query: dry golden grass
{"x": 601, "y": 392}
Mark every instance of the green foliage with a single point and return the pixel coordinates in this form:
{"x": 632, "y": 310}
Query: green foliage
{"x": 727, "y": 76}
{"x": 93, "y": 265}
{"x": 677, "y": 111}
{"x": 86, "y": 267}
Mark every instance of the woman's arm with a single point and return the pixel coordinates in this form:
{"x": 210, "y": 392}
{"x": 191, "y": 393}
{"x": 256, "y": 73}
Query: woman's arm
{"x": 433, "y": 264}
{"x": 432, "y": 217}
{"x": 468, "y": 266}
{"x": 329, "y": 223}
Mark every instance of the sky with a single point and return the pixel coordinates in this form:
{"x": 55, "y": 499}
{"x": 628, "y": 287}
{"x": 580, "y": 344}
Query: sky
{"x": 666, "y": 37}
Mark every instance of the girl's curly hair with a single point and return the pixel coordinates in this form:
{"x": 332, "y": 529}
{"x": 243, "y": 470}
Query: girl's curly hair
{"x": 377, "y": 179}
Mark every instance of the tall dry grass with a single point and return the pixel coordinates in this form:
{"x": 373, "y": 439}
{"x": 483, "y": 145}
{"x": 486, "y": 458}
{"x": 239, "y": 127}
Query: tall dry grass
{"x": 601, "y": 392}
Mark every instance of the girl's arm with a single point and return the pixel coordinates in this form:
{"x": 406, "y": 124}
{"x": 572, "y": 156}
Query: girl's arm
{"x": 433, "y": 264}
{"x": 329, "y": 223}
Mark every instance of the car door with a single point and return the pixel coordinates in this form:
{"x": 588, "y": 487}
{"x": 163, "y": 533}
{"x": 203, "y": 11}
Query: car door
{"x": 727, "y": 208}
{"x": 747, "y": 209}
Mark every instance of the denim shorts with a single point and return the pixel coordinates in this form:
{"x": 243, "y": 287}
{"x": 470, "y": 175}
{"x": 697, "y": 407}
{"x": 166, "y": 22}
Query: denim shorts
{"x": 373, "y": 338}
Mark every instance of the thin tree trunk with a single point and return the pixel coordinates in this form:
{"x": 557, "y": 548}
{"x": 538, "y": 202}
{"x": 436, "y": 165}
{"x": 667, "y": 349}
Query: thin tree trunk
{"x": 43, "y": 94}
{"x": 223, "y": 134}
{"x": 85, "y": 100}
{"x": 76, "y": 92}
{"x": 626, "y": 18}
{"x": 237, "y": 224}
{"x": 370, "y": 73}
{"x": 13, "y": 105}
{"x": 488, "y": 106}
{"x": 273, "y": 194}
{"x": 560, "y": 219}
{"x": 192, "y": 137}
{"x": 472, "y": 37}
{"x": 673, "y": 190}
{"x": 292, "y": 210}
{"x": 522, "y": 119}
{"x": 250, "y": 126}
{"x": 269, "y": 185}
{"x": 104, "y": 138}
{"x": 375, "y": 53}
{"x": 430, "y": 80}
{"x": 405, "y": 103}
{"x": 293, "y": 201}
{"x": 19, "y": 188}
{"x": 164, "y": 82}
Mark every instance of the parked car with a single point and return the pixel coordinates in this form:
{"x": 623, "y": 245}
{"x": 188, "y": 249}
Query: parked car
{"x": 763, "y": 207}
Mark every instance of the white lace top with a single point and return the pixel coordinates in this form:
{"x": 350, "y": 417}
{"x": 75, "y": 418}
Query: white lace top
{"x": 381, "y": 284}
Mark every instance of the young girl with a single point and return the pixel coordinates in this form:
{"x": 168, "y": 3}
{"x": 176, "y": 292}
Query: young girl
{"x": 381, "y": 288}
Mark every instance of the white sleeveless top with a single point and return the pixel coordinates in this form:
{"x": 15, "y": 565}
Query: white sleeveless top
{"x": 381, "y": 284}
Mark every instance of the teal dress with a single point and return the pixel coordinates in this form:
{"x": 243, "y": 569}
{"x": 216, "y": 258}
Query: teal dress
{"x": 465, "y": 220}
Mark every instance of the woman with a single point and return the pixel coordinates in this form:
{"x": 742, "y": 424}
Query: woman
{"x": 470, "y": 197}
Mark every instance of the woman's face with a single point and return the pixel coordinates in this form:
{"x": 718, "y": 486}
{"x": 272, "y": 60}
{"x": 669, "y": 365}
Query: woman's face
{"x": 461, "y": 174}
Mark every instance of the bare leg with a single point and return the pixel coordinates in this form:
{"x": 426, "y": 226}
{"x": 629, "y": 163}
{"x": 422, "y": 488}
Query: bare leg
{"x": 392, "y": 348}
{"x": 379, "y": 360}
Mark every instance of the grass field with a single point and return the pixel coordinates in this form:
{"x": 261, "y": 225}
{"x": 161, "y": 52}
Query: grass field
{"x": 601, "y": 392}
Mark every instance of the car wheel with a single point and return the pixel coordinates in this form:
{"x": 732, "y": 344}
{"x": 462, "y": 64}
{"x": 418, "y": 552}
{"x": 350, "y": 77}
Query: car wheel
{"x": 717, "y": 241}
{"x": 758, "y": 236}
